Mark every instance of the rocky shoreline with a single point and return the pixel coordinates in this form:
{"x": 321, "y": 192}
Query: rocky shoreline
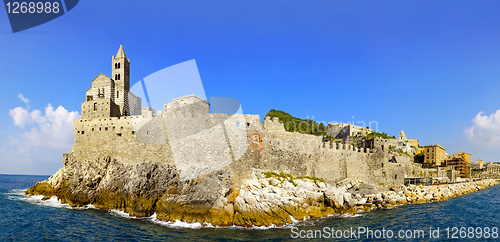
{"x": 305, "y": 198}
{"x": 262, "y": 199}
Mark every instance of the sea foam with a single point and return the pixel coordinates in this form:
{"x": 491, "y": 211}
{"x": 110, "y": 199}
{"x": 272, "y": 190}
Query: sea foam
{"x": 38, "y": 200}
{"x": 177, "y": 224}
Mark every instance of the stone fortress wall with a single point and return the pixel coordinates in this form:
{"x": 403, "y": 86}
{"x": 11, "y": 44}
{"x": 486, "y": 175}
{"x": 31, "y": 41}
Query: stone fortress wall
{"x": 308, "y": 155}
{"x": 186, "y": 135}
{"x": 197, "y": 142}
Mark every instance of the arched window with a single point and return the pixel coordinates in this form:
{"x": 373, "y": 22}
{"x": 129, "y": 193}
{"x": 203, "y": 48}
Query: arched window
{"x": 117, "y": 94}
{"x": 118, "y": 65}
{"x": 118, "y": 75}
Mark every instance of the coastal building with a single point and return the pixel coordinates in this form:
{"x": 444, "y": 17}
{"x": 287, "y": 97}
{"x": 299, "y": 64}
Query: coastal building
{"x": 402, "y": 136}
{"x": 111, "y": 96}
{"x": 493, "y": 167}
{"x": 414, "y": 145}
{"x": 187, "y": 136}
{"x": 460, "y": 162}
{"x": 403, "y": 144}
{"x": 378, "y": 143}
{"x": 433, "y": 155}
{"x": 343, "y": 131}
{"x": 478, "y": 165}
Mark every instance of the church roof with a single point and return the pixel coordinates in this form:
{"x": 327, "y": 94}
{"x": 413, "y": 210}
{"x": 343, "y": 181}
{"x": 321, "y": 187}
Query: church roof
{"x": 121, "y": 53}
{"x": 402, "y": 135}
{"x": 99, "y": 76}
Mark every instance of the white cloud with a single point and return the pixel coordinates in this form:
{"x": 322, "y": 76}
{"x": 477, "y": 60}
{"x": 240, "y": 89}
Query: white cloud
{"x": 485, "y": 129}
{"x": 54, "y": 129}
{"x": 36, "y": 142}
{"x": 24, "y": 100}
{"x": 20, "y": 116}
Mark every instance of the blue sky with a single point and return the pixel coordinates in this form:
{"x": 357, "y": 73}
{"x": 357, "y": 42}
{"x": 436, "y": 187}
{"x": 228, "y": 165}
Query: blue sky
{"x": 428, "y": 67}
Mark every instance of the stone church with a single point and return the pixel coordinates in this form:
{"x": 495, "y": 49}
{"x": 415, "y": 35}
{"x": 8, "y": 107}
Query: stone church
{"x": 111, "y": 96}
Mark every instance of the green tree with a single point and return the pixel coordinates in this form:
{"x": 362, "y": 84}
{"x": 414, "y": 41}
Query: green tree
{"x": 419, "y": 158}
{"x": 293, "y": 124}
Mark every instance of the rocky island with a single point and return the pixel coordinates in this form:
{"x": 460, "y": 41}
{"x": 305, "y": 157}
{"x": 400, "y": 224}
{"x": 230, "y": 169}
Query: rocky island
{"x": 185, "y": 163}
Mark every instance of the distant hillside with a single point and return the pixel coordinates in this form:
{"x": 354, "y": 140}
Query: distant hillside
{"x": 293, "y": 124}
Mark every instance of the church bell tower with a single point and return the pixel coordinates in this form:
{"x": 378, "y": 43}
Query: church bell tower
{"x": 121, "y": 76}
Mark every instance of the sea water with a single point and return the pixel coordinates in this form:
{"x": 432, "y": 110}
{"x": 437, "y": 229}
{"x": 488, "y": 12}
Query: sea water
{"x": 31, "y": 219}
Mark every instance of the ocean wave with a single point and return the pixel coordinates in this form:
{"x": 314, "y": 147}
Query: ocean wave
{"x": 346, "y": 215}
{"x": 178, "y": 223}
{"x": 197, "y": 225}
{"x": 54, "y": 202}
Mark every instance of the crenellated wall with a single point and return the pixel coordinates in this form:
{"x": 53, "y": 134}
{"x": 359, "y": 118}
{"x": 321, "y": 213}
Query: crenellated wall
{"x": 196, "y": 142}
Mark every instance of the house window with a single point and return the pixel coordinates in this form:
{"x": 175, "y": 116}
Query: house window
{"x": 95, "y": 106}
{"x": 117, "y": 94}
{"x": 248, "y": 124}
{"x": 237, "y": 124}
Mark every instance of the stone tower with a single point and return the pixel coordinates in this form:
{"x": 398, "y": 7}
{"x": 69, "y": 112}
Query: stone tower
{"x": 402, "y": 136}
{"x": 121, "y": 76}
{"x": 110, "y": 96}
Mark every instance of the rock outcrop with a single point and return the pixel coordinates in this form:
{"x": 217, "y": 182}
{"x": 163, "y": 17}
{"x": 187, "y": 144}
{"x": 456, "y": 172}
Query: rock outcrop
{"x": 220, "y": 198}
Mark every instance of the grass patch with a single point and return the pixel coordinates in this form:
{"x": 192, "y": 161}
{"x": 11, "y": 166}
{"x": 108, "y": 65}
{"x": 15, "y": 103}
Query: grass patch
{"x": 288, "y": 177}
{"x": 381, "y": 135}
{"x": 304, "y": 126}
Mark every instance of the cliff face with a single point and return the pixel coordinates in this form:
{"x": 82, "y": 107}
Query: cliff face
{"x": 143, "y": 189}
{"x": 219, "y": 198}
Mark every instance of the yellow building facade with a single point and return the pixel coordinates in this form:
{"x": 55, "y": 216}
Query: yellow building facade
{"x": 434, "y": 155}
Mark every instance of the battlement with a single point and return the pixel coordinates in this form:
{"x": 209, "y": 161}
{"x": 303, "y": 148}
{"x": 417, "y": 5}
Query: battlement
{"x": 187, "y": 135}
{"x": 337, "y": 146}
{"x": 122, "y": 127}
{"x": 274, "y": 125}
